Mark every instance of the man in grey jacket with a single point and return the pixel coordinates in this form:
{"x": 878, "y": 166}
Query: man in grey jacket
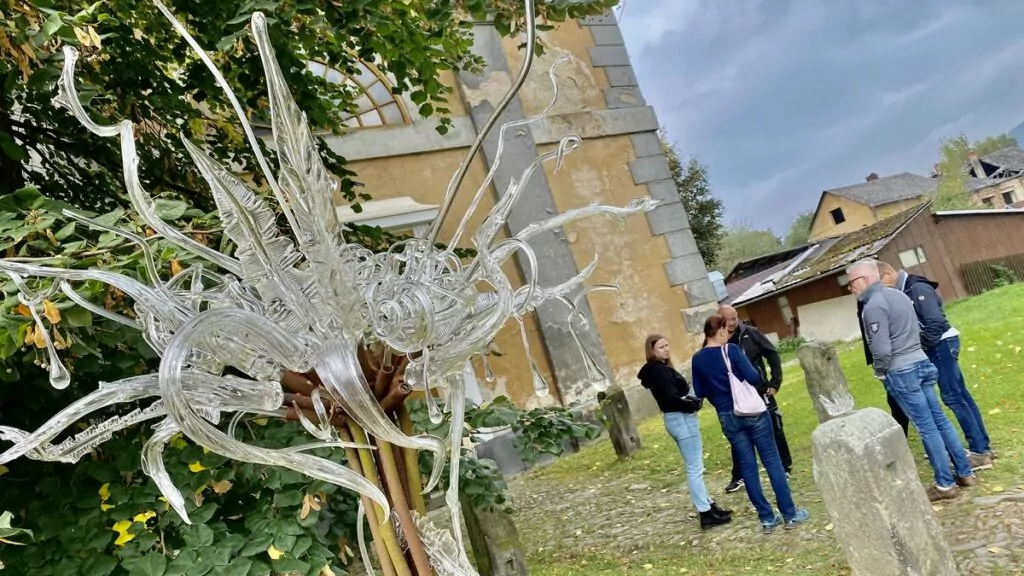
{"x": 894, "y": 337}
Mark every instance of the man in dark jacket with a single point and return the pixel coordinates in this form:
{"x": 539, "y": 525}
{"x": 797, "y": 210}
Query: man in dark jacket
{"x": 941, "y": 342}
{"x": 759, "y": 350}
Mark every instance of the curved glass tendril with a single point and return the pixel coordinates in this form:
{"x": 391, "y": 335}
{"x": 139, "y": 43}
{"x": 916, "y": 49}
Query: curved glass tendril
{"x": 299, "y": 303}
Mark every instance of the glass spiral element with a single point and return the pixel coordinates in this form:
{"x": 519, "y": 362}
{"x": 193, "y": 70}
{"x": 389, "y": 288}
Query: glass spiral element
{"x": 298, "y": 303}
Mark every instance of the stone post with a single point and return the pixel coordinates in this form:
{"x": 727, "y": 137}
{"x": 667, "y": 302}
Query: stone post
{"x": 494, "y": 540}
{"x": 869, "y": 482}
{"x": 826, "y": 382}
{"x": 619, "y": 421}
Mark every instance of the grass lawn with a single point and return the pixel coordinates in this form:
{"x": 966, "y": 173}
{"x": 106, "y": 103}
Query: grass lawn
{"x": 590, "y": 514}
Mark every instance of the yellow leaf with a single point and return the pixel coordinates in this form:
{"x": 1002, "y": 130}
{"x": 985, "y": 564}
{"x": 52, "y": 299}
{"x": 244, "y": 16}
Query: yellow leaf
{"x": 53, "y": 239}
{"x": 94, "y": 37}
{"x": 39, "y": 338}
{"x": 124, "y": 536}
{"x": 141, "y": 518}
{"x": 83, "y": 36}
{"x": 196, "y": 467}
{"x": 648, "y": 566}
{"x": 222, "y": 487}
{"x": 994, "y": 411}
{"x": 178, "y": 441}
{"x": 829, "y": 526}
{"x": 260, "y": 421}
{"x": 997, "y": 550}
{"x": 30, "y": 334}
{"x": 105, "y": 492}
{"x": 997, "y": 489}
{"x": 59, "y": 342}
{"x": 3, "y": 470}
{"x": 23, "y": 310}
{"x": 51, "y": 312}
{"x": 105, "y": 507}
{"x": 176, "y": 267}
{"x": 274, "y": 553}
{"x": 304, "y": 513}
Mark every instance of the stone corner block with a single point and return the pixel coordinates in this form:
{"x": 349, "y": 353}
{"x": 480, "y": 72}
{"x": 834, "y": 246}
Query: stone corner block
{"x": 666, "y": 218}
{"x": 624, "y": 97}
{"x": 664, "y": 190}
{"x": 646, "y": 144}
{"x": 685, "y": 269}
{"x": 700, "y": 292}
{"x": 681, "y": 243}
{"x": 649, "y": 169}
{"x": 621, "y": 76}
{"x": 695, "y": 316}
{"x": 607, "y": 36}
{"x": 601, "y": 56}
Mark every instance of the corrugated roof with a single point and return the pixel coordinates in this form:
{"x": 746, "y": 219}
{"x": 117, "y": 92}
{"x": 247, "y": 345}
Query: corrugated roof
{"x": 1011, "y": 158}
{"x": 888, "y": 189}
{"x": 737, "y": 288}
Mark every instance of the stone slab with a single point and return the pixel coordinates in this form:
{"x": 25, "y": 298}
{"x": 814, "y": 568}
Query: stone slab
{"x": 605, "y": 19}
{"x": 685, "y": 269}
{"x": 826, "y": 382}
{"x": 700, "y": 291}
{"x": 594, "y": 124}
{"x": 621, "y": 76}
{"x": 607, "y": 36}
{"x": 681, "y": 243}
{"x": 667, "y": 218}
{"x": 624, "y": 97}
{"x": 646, "y": 144}
{"x": 695, "y": 316}
{"x": 664, "y": 190}
{"x": 649, "y": 169}
{"x": 601, "y": 56}
{"x": 871, "y": 489}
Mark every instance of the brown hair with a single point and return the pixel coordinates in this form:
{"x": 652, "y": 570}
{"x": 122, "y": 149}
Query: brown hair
{"x": 713, "y": 324}
{"x": 652, "y": 340}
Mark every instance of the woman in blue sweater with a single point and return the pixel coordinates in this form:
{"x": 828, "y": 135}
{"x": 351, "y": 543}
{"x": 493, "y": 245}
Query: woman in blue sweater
{"x": 672, "y": 393}
{"x": 745, "y": 433}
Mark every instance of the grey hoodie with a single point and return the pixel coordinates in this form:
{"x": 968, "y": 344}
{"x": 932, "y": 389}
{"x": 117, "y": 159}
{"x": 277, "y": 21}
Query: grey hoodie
{"x": 891, "y": 328}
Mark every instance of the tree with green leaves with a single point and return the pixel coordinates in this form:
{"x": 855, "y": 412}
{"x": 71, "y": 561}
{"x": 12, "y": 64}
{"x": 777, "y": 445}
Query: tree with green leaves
{"x": 704, "y": 210}
{"x": 952, "y": 193}
{"x": 799, "y": 230}
{"x": 743, "y": 242}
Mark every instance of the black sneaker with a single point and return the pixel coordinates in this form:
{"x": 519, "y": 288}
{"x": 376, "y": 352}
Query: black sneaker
{"x": 734, "y": 486}
{"x": 720, "y": 511}
{"x": 710, "y": 519}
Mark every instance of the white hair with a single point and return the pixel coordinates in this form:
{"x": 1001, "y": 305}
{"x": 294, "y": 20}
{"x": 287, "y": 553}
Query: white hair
{"x": 867, "y": 268}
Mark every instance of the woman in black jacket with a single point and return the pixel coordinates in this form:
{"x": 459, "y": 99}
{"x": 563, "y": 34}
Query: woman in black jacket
{"x": 672, "y": 393}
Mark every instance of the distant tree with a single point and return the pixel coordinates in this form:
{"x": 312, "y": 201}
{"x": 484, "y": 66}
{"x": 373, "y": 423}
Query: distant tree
{"x": 743, "y": 242}
{"x": 704, "y": 210}
{"x": 952, "y": 191}
{"x": 799, "y": 230}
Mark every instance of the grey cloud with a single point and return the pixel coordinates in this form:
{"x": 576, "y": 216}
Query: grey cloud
{"x": 785, "y": 98}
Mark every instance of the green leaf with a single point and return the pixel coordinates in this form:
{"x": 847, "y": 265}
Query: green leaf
{"x": 10, "y": 148}
{"x": 257, "y": 545}
{"x": 64, "y": 232}
{"x": 418, "y": 97}
{"x": 287, "y": 565}
{"x": 170, "y": 210}
{"x": 98, "y": 565}
{"x": 52, "y": 24}
{"x": 237, "y": 567}
{"x": 76, "y": 317}
{"x": 288, "y": 499}
{"x": 6, "y": 531}
{"x": 152, "y": 564}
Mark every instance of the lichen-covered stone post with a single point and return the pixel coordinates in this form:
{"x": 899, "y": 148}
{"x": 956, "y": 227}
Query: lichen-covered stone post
{"x": 825, "y": 380}
{"x": 869, "y": 482}
{"x": 619, "y": 422}
{"x": 494, "y": 540}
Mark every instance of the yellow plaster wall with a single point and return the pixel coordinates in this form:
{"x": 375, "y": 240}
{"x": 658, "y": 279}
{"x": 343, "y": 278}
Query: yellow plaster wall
{"x": 883, "y": 212}
{"x": 391, "y": 177}
{"x": 630, "y": 257}
{"x": 857, "y": 216}
{"x": 580, "y": 86}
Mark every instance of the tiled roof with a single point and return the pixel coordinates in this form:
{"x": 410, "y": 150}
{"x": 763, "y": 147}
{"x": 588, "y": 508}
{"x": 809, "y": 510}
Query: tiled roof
{"x": 888, "y": 189}
{"x": 1011, "y": 158}
{"x": 974, "y": 184}
{"x": 836, "y": 253}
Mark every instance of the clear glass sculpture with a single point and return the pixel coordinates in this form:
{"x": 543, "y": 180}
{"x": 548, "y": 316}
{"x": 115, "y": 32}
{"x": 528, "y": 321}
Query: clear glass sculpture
{"x": 302, "y": 303}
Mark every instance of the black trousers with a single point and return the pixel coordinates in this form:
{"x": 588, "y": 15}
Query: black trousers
{"x": 780, "y": 442}
{"x": 898, "y": 415}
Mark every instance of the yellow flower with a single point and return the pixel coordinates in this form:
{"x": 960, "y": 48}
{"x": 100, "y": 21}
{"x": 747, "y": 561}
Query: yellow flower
{"x": 123, "y": 535}
{"x": 274, "y": 553}
{"x": 105, "y": 507}
{"x": 196, "y": 467}
{"x": 141, "y": 518}
{"x": 105, "y": 492}
{"x": 177, "y": 441}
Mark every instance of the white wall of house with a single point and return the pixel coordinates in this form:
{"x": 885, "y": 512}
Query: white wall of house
{"x": 829, "y": 320}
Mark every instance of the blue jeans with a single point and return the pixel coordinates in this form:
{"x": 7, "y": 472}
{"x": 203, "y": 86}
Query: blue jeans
{"x": 685, "y": 430}
{"x": 945, "y": 356}
{"x": 913, "y": 387}
{"x": 747, "y": 435}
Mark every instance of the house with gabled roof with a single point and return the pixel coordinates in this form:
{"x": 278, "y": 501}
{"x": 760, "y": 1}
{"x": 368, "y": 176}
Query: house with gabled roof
{"x": 844, "y": 210}
{"x": 996, "y": 180}
{"x": 807, "y": 295}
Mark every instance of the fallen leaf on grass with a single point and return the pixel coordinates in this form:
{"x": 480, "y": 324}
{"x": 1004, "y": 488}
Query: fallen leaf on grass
{"x": 997, "y": 550}
{"x": 829, "y": 527}
{"x": 997, "y": 489}
{"x": 994, "y": 411}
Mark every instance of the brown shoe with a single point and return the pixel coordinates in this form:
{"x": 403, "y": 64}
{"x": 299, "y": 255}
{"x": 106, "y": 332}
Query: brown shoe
{"x": 979, "y": 461}
{"x": 967, "y": 481}
{"x": 935, "y": 493}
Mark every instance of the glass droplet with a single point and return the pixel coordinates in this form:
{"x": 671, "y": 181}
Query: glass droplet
{"x": 540, "y": 385}
{"x": 60, "y": 378}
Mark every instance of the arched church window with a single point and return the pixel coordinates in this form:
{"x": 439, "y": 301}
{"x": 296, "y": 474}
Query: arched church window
{"x": 375, "y": 105}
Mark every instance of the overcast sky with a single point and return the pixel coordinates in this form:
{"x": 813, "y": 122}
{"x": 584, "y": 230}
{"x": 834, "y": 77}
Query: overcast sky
{"x": 786, "y": 98}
